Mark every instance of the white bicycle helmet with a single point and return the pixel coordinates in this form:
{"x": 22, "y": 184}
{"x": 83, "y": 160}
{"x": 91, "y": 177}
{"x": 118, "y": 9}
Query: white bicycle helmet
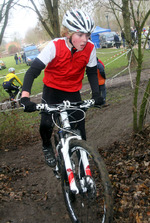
{"x": 11, "y": 70}
{"x": 78, "y": 21}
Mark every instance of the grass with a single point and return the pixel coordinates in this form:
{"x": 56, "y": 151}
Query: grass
{"x": 20, "y": 70}
{"x": 115, "y": 61}
{"x": 16, "y": 127}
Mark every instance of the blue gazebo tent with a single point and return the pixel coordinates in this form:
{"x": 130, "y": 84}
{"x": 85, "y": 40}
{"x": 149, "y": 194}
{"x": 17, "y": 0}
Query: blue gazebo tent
{"x": 95, "y": 35}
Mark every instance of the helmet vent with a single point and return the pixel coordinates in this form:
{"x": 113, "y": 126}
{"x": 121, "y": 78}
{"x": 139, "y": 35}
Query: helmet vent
{"x": 78, "y": 21}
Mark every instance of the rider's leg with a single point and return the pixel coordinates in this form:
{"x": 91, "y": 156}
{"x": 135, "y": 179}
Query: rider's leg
{"x": 46, "y": 132}
{"x": 10, "y": 93}
{"x": 7, "y": 88}
{"x": 78, "y": 115}
{"x": 54, "y": 96}
{"x": 46, "y": 128}
{"x": 102, "y": 89}
{"x": 15, "y": 89}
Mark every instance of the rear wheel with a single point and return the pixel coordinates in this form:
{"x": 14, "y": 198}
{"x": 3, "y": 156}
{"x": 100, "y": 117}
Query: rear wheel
{"x": 94, "y": 204}
{"x": 6, "y": 104}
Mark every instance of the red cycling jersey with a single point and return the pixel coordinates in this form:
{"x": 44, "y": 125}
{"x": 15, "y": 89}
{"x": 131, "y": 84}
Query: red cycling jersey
{"x": 65, "y": 71}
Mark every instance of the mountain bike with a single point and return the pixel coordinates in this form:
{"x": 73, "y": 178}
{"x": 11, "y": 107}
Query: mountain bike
{"x": 9, "y": 104}
{"x": 84, "y": 178}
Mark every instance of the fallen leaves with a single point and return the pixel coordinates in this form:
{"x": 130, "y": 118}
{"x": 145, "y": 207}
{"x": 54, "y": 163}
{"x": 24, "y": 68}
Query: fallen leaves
{"x": 9, "y": 175}
{"x": 128, "y": 164}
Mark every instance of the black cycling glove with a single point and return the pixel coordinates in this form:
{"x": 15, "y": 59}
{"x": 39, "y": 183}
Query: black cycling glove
{"x": 98, "y": 99}
{"x": 28, "y": 105}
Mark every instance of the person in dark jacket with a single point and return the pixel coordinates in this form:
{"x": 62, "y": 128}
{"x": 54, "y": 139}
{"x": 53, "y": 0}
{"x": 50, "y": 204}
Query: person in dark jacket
{"x": 117, "y": 41}
{"x": 123, "y": 38}
{"x": 16, "y": 58}
{"x": 101, "y": 79}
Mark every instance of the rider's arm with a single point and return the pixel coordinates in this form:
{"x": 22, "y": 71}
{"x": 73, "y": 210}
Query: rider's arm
{"x": 92, "y": 78}
{"x": 33, "y": 72}
{"x": 46, "y": 55}
{"x": 91, "y": 71}
{"x": 18, "y": 80}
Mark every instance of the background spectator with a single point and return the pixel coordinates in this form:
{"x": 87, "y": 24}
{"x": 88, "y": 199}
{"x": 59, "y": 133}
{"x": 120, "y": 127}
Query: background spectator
{"x": 16, "y": 58}
{"x": 101, "y": 79}
{"x": 117, "y": 40}
{"x": 123, "y": 38}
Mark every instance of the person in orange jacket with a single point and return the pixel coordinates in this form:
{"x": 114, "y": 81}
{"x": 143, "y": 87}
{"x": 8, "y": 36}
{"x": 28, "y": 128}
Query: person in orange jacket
{"x": 101, "y": 79}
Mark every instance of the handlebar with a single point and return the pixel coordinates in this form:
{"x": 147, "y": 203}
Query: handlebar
{"x": 66, "y": 105}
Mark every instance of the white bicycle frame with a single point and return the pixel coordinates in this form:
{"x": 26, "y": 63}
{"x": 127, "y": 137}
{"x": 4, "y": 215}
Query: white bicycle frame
{"x": 18, "y": 95}
{"x": 65, "y": 145}
{"x": 65, "y": 152}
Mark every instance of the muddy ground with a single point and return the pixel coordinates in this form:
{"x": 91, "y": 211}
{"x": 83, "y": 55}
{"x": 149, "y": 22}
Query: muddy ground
{"x": 29, "y": 192}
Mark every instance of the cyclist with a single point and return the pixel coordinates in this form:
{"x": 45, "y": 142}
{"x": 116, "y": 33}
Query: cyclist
{"x": 9, "y": 83}
{"x": 65, "y": 60}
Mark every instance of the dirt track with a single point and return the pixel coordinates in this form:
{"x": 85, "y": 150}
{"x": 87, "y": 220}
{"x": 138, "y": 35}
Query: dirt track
{"x": 30, "y": 193}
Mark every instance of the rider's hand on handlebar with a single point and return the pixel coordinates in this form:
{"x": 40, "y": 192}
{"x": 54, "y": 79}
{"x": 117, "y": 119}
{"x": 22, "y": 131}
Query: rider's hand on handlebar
{"x": 28, "y": 105}
{"x": 98, "y": 99}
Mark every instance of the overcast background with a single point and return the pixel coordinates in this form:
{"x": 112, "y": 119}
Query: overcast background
{"x": 20, "y": 21}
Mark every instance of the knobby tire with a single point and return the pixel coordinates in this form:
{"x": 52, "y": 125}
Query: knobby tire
{"x": 86, "y": 207}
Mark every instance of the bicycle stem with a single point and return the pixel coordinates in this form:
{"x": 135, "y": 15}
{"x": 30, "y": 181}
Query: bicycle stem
{"x": 65, "y": 119}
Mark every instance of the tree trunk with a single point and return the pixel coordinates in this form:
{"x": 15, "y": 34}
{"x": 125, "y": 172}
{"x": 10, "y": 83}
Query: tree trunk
{"x": 5, "y": 19}
{"x": 143, "y": 114}
{"x": 126, "y": 20}
{"x": 138, "y": 77}
{"x": 54, "y": 17}
{"x": 127, "y": 29}
{"x": 53, "y": 28}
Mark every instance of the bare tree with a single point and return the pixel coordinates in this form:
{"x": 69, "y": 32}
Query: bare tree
{"x": 53, "y": 12}
{"x": 51, "y": 20}
{"x": 4, "y": 15}
{"x": 139, "y": 18}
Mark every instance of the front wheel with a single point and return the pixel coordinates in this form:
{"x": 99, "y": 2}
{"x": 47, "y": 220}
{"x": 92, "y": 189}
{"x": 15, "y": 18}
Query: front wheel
{"x": 94, "y": 202}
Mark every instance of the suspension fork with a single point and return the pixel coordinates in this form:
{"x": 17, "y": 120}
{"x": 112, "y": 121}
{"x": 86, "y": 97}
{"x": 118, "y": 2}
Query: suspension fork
{"x": 85, "y": 162}
{"x": 85, "y": 181}
{"x": 65, "y": 151}
{"x": 68, "y": 165}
